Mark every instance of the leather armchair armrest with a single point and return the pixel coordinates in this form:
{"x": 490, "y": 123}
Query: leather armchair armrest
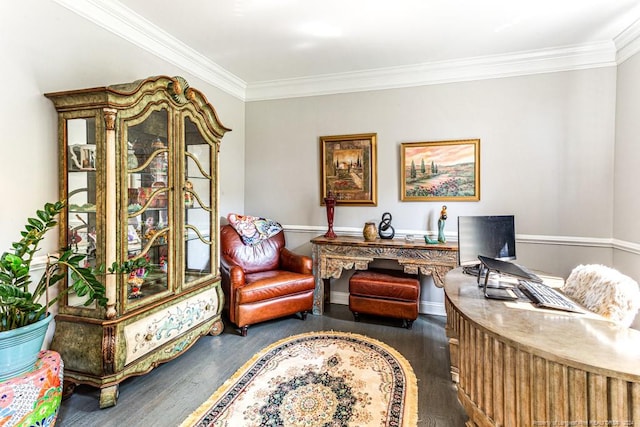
{"x": 235, "y": 274}
{"x": 232, "y": 279}
{"x": 290, "y": 261}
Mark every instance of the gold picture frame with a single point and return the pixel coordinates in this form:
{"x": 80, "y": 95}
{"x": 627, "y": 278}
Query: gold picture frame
{"x": 348, "y": 169}
{"x": 440, "y": 171}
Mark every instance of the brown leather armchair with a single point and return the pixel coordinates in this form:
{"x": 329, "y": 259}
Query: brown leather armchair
{"x": 264, "y": 281}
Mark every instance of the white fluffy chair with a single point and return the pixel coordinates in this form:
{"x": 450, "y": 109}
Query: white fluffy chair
{"x": 604, "y": 291}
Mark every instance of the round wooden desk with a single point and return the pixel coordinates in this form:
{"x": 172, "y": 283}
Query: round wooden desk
{"x": 517, "y": 365}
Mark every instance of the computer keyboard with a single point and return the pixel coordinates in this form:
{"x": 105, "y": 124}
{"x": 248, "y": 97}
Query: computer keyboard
{"x": 545, "y": 297}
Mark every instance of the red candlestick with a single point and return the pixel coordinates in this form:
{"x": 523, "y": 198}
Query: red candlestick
{"x": 330, "y": 202}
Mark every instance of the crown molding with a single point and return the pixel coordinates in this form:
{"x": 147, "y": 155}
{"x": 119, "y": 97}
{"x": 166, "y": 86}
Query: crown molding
{"x": 628, "y": 42}
{"x": 122, "y": 21}
{"x": 567, "y": 58}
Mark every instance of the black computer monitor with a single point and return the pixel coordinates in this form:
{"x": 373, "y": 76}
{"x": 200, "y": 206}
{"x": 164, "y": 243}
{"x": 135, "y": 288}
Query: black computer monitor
{"x": 491, "y": 236}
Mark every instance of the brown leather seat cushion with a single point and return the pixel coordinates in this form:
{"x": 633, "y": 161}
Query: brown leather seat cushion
{"x": 385, "y": 284}
{"x": 283, "y": 284}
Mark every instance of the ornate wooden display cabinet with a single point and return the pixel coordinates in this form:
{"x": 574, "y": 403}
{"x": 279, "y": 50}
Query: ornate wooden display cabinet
{"x": 139, "y": 168}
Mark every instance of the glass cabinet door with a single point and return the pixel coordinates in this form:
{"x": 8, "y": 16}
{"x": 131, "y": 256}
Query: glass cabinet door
{"x": 81, "y": 193}
{"x": 198, "y": 209}
{"x": 149, "y": 178}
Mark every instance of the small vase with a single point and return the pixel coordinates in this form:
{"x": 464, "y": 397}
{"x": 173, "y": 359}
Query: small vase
{"x": 330, "y": 202}
{"x": 369, "y": 231}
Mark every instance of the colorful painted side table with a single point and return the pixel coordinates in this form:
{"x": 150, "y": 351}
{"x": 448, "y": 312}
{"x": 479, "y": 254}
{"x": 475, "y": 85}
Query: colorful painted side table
{"x": 33, "y": 399}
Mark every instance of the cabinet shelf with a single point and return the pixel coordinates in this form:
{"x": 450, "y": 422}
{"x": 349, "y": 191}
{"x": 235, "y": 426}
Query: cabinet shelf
{"x": 79, "y": 211}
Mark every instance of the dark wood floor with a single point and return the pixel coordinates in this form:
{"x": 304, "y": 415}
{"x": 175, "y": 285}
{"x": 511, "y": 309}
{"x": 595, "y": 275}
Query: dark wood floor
{"x": 168, "y": 394}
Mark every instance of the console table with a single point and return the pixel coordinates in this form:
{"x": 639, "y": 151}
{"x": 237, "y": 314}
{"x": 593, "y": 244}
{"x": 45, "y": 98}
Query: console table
{"x": 332, "y": 255}
{"x": 517, "y": 365}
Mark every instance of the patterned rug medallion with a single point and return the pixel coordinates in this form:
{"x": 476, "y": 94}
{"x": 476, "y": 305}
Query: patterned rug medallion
{"x": 316, "y": 379}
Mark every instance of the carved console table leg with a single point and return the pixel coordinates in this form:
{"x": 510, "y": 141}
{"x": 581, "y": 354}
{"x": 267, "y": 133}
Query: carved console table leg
{"x": 436, "y": 271}
{"x": 327, "y": 290}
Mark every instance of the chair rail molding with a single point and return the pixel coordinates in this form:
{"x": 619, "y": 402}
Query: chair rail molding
{"x": 539, "y": 239}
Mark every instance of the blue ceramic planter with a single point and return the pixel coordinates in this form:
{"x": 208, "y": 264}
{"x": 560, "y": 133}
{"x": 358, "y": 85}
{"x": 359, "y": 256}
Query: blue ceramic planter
{"x": 19, "y": 348}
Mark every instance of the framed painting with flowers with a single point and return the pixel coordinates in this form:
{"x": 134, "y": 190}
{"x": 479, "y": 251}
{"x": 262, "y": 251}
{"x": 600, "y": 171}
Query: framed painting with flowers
{"x": 440, "y": 170}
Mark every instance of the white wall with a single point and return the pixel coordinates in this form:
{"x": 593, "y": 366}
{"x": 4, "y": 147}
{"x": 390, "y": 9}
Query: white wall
{"x": 546, "y": 150}
{"x": 627, "y": 158}
{"x": 47, "y": 48}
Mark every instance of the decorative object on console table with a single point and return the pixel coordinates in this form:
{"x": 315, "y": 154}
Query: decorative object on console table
{"x": 140, "y": 211}
{"x": 442, "y": 170}
{"x": 330, "y": 203}
{"x": 348, "y": 169}
{"x": 385, "y": 230}
{"x": 429, "y": 240}
{"x": 369, "y": 232}
{"x": 441, "y": 221}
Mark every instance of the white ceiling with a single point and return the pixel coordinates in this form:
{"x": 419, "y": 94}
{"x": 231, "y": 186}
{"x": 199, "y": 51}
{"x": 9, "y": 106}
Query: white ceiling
{"x": 271, "y": 43}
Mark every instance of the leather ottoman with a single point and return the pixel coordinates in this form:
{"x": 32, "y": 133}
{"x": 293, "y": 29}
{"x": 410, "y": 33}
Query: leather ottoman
{"x": 389, "y": 293}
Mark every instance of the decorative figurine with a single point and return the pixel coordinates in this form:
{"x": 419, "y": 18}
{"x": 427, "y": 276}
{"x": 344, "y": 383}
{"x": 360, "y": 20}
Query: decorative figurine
{"x": 135, "y": 282}
{"x": 132, "y": 159}
{"x": 384, "y": 226}
{"x": 188, "y": 195}
{"x": 443, "y": 218}
{"x": 429, "y": 240}
{"x": 330, "y": 202}
{"x": 163, "y": 264}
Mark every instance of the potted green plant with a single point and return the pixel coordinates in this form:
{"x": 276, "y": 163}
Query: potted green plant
{"x": 21, "y": 309}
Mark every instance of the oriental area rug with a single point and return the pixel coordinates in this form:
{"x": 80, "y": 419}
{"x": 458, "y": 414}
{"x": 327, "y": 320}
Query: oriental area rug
{"x": 316, "y": 379}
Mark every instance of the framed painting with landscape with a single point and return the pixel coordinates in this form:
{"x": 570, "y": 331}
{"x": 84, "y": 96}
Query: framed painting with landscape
{"x": 348, "y": 169}
{"x": 440, "y": 170}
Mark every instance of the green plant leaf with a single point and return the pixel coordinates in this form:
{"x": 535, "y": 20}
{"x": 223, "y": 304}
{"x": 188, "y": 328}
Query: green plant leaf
{"x": 43, "y": 215}
{"x": 36, "y": 223}
{"x": 76, "y": 258}
{"x": 18, "y": 306}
